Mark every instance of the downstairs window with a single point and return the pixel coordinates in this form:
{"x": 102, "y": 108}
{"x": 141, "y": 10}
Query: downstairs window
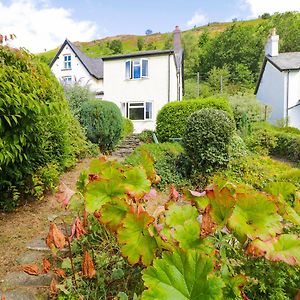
{"x": 138, "y": 111}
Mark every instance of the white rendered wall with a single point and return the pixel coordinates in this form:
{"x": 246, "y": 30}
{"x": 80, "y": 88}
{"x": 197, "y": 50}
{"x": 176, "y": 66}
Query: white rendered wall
{"x": 155, "y": 88}
{"x": 293, "y": 99}
{"x": 78, "y": 71}
{"x": 272, "y": 92}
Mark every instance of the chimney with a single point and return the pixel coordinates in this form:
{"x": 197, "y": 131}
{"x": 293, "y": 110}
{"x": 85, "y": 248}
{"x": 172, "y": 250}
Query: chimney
{"x": 177, "y": 39}
{"x": 272, "y": 46}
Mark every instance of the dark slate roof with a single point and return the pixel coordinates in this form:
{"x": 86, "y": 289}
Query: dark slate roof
{"x": 289, "y": 61}
{"x": 286, "y": 61}
{"x": 139, "y": 54}
{"x": 93, "y": 65}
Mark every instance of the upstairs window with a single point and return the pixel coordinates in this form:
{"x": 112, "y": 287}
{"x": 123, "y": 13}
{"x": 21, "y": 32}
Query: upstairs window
{"x": 136, "y": 69}
{"x": 139, "y": 111}
{"x": 67, "y": 62}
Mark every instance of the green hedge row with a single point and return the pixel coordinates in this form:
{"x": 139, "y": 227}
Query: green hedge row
{"x": 283, "y": 142}
{"x": 39, "y": 137}
{"x": 172, "y": 118}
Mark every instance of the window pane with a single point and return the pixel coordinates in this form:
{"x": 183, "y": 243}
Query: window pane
{"x": 136, "y": 69}
{"x": 136, "y": 113}
{"x": 144, "y": 68}
{"x": 127, "y": 67}
{"x": 149, "y": 110}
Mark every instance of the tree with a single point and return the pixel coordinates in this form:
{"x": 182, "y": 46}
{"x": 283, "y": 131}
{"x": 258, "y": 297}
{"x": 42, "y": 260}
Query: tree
{"x": 116, "y": 46}
{"x": 149, "y": 32}
{"x": 140, "y": 43}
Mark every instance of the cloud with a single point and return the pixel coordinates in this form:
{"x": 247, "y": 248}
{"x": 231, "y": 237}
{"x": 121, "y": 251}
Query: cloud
{"x": 258, "y": 7}
{"x": 197, "y": 19}
{"x": 39, "y": 26}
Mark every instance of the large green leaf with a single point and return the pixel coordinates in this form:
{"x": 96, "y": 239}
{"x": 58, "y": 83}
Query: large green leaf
{"x": 286, "y": 211}
{"x": 138, "y": 244}
{"x": 182, "y": 276}
{"x": 184, "y": 224}
{"x": 284, "y": 248}
{"x": 99, "y": 193}
{"x": 255, "y": 216}
{"x": 113, "y": 213}
{"x": 286, "y": 189}
{"x": 222, "y": 204}
{"x": 136, "y": 182}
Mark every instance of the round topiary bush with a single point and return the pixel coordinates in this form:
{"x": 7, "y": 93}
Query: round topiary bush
{"x": 103, "y": 123}
{"x": 173, "y": 117}
{"x": 207, "y": 137}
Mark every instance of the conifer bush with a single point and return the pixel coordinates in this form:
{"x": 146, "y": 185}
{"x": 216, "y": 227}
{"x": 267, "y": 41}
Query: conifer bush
{"x": 207, "y": 138}
{"x": 103, "y": 122}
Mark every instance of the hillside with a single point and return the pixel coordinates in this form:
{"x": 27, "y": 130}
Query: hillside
{"x": 100, "y": 47}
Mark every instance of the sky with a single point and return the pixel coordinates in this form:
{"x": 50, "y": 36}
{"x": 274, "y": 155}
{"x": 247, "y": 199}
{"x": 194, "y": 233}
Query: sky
{"x": 43, "y": 25}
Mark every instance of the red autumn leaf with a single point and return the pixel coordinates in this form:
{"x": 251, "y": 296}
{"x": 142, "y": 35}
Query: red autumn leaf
{"x": 93, "y": 177}
{"x": 77, "y": 229}
{"x": 46, "y": 266}
{"x": 60, "y": 272}
{"x": 3, "y": 296}
{"x": 88, "y": 268}
{"x": 55, "y": 237}
{"x": 244, "y": 296}
{"x": 298, "y": 296}
{"x": 53, "y": 288}
{"x": 174, "y": 195}
{"x": 208, "y": 226}
{"x": 254, "y": 251}
{"x": 64, "y": 195}
{"x": 32, "y": 269}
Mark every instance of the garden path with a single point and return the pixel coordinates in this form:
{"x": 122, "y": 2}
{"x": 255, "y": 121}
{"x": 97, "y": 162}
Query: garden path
{"x": 23, "y": 232}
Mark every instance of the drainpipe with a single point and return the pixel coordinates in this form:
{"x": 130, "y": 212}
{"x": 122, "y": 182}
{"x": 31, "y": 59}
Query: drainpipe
{"x": 287, "y": 95}
{"x": 169, "y": 79}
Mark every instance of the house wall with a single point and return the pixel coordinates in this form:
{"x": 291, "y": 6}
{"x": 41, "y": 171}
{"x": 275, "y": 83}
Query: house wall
{"x": 155, "y": 88}
{"x": 272, "y": 91}
{"x": 293, "y": 99}
{"x": 78, "y": 72}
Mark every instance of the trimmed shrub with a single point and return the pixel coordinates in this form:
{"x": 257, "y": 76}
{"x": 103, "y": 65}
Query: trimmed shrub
{"x": 103, "y": 123}
{"x": 172, "y": 118}
{"x": 127, "y": 127}
{"x": 37, "y": 128}
{"x": 207, "y": 138}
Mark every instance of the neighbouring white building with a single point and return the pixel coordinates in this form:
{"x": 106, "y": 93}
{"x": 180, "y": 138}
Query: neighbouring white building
{"x": 140, "y": 83}
{"x": 279, "y": 83}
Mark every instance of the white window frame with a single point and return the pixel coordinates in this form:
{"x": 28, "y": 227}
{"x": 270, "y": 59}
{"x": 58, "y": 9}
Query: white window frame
{"x": 133, "y": 63}
{"x": 67, "y": 62}
{"x": 143, "y": 105}
{"x": 67, "y": 80}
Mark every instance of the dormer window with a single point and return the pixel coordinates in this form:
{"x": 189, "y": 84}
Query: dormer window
{"x": 67, "y": 62}
{"x": 136, "y": 69}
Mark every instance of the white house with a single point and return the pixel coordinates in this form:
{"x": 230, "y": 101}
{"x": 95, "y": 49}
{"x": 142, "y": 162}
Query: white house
{"x": 140, "y": 83}
{"x": 279, "y": 83}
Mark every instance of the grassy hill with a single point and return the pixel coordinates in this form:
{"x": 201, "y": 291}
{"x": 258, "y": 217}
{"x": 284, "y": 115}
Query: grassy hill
{"x": 100, "y": 47}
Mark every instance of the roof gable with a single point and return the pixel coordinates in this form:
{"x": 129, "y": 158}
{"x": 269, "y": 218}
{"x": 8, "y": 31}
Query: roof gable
{"x": 93, "y": 65}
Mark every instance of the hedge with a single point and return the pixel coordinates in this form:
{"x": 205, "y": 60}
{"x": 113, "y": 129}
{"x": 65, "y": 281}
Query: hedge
{"x": 103, "y": 123}
{"x": 172, "y": 118}
{"x": 37, "y": 129}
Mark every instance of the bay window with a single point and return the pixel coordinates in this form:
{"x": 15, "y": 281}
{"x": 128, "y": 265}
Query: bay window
{"x": 136, "y": 69}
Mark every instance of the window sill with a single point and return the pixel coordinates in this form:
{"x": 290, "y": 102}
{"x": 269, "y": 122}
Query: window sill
{"x": 148, "y": 120}
{"x": 66, "y": 69}
{"x": 135, "y": 79}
